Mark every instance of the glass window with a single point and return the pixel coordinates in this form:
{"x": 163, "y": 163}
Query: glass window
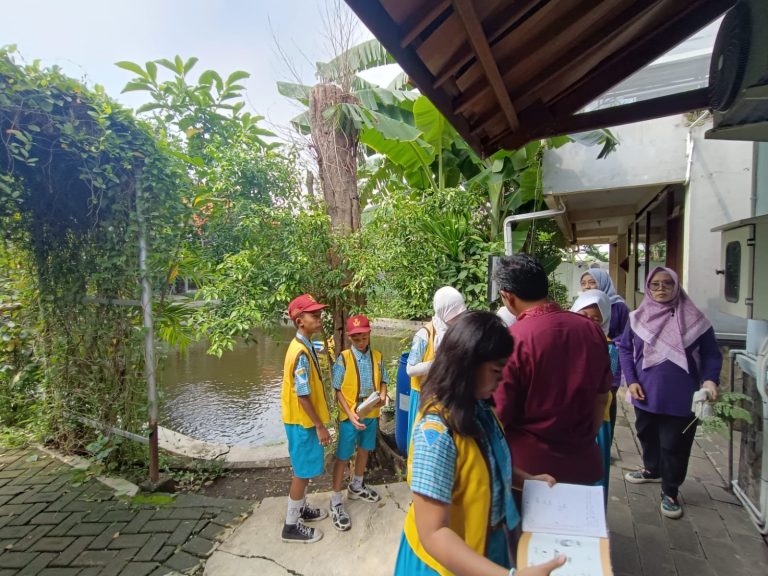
{"x": 641, "y": 237}
{"x": 657, "y": 236}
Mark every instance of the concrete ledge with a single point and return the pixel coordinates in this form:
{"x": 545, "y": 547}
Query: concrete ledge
{"x": 268, "y": 456}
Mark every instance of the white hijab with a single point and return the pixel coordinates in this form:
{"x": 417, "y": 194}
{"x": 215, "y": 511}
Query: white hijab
{"x": 506, "y": 316}
{"x": 448, "y": 304}
{"x": 590, "y": 297}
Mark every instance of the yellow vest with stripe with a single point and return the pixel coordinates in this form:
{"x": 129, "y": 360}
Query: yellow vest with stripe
{"x": 293, "y": 413}
{"x": 350, "y": 386}
{"x": 470, "y": 508}
{"x": 429, "y": 354}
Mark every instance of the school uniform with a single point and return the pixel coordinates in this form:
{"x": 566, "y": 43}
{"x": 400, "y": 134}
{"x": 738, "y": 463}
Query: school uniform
{"x": 356, "y": 375}
{"x": 472, "y": 476}
{"x": 301, "y": 378}
{"x": 422, "y": 350}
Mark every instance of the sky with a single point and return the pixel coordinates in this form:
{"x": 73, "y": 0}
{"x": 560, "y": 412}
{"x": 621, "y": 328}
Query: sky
{"x": 86, "y": 37}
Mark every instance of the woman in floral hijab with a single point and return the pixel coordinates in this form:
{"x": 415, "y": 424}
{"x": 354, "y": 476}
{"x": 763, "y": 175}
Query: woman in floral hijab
{"x": 668, "y": 352}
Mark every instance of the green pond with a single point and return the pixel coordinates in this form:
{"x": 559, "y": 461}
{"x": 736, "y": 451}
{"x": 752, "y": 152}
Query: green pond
{"x": 235, "y": 399}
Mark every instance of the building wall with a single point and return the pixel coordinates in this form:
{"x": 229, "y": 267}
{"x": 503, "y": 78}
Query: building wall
{"x": 721, "y": 183}
{"x": 719, "y": 189}
{"x": 651, "y": 152}
{"x": 761, "y": 179}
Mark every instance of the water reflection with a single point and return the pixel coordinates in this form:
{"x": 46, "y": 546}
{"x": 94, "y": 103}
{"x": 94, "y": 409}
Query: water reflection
{"x": 235, "y": 399}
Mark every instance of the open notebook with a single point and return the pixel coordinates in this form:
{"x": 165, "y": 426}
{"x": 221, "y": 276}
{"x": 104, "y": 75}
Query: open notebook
{"x": 565, "y": 519}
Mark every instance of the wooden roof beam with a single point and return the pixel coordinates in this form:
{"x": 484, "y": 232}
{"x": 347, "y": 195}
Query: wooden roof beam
{"x": 511, "y": 17}
{"x": 614, "y": 116}
{"x": 378, "y": 20}
{"x": 412, "y": 29}
{"x": 483, "y": 51}
{"x": 665, "y": 37}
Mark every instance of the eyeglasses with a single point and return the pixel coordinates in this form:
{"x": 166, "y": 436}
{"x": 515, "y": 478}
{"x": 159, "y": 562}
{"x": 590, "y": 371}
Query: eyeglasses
{"x": 663, "y": 284}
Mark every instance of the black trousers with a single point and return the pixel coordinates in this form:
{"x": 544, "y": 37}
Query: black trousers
{"x": 666, "y": 448}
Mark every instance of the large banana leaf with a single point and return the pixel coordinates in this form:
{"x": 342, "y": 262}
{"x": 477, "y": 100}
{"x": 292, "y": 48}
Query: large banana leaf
{"x": 414, "y": 156}
{"x": 436, "y": 129}
{"x": 364, "y": 56}
{"x": 298, "y": 92}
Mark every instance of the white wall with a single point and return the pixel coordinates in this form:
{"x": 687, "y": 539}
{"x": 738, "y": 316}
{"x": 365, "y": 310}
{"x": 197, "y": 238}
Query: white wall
{"x": 718, "y": 192}
{"x": 651, "y": 152}
{"x": 569, "y": 273}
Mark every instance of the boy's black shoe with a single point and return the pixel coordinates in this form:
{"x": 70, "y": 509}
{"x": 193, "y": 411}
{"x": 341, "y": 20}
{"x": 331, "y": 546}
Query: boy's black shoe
{"x": 309, "y": 514}
{"x": 300, "y": 534}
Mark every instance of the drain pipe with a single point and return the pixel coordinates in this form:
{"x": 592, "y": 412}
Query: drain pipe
{"x": 509, "y": 220}
{"x": 689, "y": 146}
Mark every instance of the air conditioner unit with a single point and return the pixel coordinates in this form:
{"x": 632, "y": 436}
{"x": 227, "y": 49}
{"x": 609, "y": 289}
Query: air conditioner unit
{"x": 738, "y": 74}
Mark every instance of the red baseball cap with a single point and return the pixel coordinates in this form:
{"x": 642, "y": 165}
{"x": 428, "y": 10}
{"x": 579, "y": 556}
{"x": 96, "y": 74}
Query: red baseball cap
{"x": 358, "y": 324}
{"x": 303, "y": 303}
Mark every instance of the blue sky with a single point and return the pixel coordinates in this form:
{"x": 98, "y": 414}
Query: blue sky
{"x": 86, "y": 38}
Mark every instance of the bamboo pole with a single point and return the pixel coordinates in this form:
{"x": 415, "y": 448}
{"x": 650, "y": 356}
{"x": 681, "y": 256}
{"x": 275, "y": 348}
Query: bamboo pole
{"x": 149, "y": 338}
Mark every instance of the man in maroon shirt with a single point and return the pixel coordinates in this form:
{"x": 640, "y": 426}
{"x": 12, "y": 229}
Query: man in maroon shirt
{"x": 556, "y": 383}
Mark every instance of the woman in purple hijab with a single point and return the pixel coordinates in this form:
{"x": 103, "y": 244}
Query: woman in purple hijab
{"x": 667, "y": 353}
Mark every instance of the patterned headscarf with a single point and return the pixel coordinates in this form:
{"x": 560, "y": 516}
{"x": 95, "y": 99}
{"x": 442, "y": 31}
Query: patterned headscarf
{"x": 667, "y": 328}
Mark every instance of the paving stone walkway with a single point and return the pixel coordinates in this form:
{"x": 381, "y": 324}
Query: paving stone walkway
{"x": 52, "y": 525}
{"x": 714, "y": 537}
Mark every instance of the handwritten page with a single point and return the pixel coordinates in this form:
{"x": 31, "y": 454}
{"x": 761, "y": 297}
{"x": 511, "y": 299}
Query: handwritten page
{"x": 565, "y": 509}
{"x": 584, "y": 555}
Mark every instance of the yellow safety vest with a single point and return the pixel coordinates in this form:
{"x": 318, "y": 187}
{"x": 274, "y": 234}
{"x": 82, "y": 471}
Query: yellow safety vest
{"x": 470, "y": 508}
{"x": 293, "y": 413}
{"x": 429, "y": 354}
{"x": 350, "y": 386}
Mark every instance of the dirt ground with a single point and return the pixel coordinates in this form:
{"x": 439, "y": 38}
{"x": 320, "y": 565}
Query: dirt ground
{"x": 259, "y": 483}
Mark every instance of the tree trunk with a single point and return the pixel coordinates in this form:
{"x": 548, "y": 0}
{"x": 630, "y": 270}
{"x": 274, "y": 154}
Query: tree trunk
{"x": 336, "y": 146}
{"x": 335, "y": 143}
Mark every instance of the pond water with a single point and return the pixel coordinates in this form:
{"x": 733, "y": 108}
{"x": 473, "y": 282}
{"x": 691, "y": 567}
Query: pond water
{"x": 235, "y": 399}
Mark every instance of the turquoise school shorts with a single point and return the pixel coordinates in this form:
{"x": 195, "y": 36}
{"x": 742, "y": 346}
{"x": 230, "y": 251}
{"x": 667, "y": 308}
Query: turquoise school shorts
{"x": 307, "y": 458}
{"x": 350, "y": 437}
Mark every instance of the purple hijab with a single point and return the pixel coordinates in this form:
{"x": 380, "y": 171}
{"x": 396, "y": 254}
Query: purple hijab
{"x": 667, "y": 328}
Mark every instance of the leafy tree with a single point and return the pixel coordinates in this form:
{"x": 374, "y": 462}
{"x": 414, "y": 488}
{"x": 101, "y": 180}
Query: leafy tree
{"x": 73, "y": 165}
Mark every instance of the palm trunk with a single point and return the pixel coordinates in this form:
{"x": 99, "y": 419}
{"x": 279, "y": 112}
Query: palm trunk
{"x": 335, "y": 143}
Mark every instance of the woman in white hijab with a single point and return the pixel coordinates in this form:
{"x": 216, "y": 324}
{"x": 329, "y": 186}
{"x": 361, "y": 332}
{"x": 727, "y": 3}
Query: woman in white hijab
{"x": 596, "y": 305}
{"x": 448, "y": 304}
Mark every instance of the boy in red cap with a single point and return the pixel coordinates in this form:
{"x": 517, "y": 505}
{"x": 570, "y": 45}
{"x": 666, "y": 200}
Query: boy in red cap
{"x": 357, "y": 374}
{"x": 305, "y": 413}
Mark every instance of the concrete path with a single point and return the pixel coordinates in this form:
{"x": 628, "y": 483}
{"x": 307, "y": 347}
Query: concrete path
{"x": 56, "y": 522}
{"x": 52, "y": 525}
{"x": 368, "y": 548}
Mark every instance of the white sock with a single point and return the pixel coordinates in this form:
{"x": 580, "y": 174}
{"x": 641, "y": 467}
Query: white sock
{"x": 335, "y": 499}
{"x": 294, "y": 510}
{"x": 357, "y": 482}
